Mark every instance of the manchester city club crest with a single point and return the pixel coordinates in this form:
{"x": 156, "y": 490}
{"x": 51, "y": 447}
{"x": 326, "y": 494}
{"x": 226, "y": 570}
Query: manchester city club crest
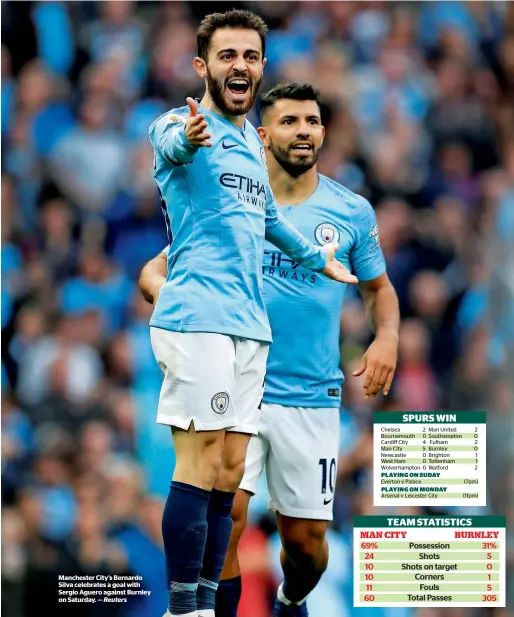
{"x": 326, "y": 233}
{"x": 219, "y": 403}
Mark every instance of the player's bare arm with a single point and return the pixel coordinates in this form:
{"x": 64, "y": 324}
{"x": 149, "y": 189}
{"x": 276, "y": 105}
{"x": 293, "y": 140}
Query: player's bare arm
{"x": 153, "y": 277}
{"x": 378, "y": 364}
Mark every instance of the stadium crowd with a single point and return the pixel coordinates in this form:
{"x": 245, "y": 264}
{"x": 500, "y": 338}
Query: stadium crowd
{"x": 419, "y": 116}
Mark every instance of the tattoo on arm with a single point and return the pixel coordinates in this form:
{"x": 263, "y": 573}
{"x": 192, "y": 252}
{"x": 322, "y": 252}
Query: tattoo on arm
{"x": 371, "y": 312}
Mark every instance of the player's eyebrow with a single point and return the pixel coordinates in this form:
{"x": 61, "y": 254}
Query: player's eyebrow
{"x": 233, "y": 51}
{"x": 291, "y": 117}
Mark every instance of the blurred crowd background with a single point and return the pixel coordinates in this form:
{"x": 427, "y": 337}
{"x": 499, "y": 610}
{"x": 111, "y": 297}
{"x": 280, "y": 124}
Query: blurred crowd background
{"x": 418, "y": 105}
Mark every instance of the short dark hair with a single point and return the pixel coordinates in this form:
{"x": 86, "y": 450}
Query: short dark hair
{"x": 298, "y": 92}
{"x": 230, "y": 19}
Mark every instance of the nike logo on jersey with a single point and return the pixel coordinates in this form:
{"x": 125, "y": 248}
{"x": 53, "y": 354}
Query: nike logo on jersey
{"x": 327, "y": 501}
{"x": 228, "y": 146}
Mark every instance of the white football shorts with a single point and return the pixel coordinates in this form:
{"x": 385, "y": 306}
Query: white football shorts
{"x": 298, "y": 447}
{"x": 215, "y": 381}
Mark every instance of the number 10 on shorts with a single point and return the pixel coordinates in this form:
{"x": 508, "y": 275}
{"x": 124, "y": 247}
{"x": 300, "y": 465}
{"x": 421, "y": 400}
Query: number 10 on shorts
{"x": 328, "y": 478}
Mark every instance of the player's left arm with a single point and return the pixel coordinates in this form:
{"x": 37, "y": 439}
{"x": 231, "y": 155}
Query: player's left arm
{"x": 153, "y": 276}
{"x": 288, "y": 239}
{"x": 383, "y": 313}
{"x": 378, "y": 364}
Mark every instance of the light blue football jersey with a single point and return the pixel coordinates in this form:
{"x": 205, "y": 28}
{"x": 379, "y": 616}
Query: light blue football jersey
{"x": 218, "y": 207}
{"x": 304, "y": 308}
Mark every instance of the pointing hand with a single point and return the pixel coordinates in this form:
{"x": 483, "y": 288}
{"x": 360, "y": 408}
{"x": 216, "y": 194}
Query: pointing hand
{"x": 196, "y": 126}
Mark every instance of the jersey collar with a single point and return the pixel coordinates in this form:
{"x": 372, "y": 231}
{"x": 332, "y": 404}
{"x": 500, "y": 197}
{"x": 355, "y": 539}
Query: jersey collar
{"x": 224, "y": 120}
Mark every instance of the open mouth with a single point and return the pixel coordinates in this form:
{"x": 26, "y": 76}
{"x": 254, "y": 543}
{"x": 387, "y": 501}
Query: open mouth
{"x": 301, "y": 148}
{"x": 238, "y": 87}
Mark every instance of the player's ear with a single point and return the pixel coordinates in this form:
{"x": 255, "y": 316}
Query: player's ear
{"x": 263, "y": 65}
{"x": 263, "y": 135}
{"x": 200, "y": 67}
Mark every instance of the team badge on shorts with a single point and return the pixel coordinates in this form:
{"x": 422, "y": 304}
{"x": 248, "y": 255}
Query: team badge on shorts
{"x": 326, "y": 233}
{"x": 219, "y": 403}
